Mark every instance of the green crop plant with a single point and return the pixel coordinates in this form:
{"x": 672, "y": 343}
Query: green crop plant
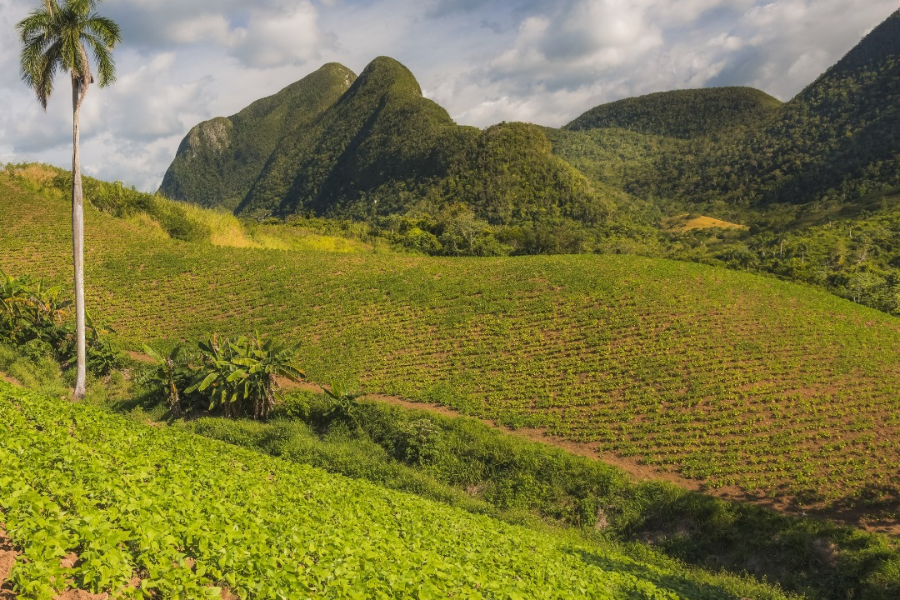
{"x": 187, "y": 516}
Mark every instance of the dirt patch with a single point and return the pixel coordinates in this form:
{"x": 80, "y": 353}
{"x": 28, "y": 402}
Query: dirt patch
{"x": 228, "y": 595}
{"x": 80, "y": 595}
{"x": 141, "y": 357}
{"x": 69, "y": 561}
{"x": 11, "y": 380}
{"x": 8, "y": 556}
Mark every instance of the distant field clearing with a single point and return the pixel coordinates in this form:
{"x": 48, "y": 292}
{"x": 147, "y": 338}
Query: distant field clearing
{"x": 686, "y": 222}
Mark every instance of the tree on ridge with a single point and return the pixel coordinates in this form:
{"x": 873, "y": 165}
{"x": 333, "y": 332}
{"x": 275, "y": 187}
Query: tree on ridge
{"x": 56, "y": 39}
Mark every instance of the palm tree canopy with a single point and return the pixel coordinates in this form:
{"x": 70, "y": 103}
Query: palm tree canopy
{"x": 57, "y": 38}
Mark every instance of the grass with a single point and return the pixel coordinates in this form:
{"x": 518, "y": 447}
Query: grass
{"x": 689, "y": 222}
{"x": 773, "y": 389}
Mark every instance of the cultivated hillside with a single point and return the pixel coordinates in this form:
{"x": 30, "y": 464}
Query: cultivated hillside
{"x": 148, "y": 511}
{"x": 733, "y": 379}
{"x": 683, "y": 114}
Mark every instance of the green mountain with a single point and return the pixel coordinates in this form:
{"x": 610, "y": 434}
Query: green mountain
{"x": 379, "y": 152}
{"x": 380, "y": 149}
{"x": 220, "y": 159}
{"x": 837, "y": 140}
{"x": 683, "y": 114}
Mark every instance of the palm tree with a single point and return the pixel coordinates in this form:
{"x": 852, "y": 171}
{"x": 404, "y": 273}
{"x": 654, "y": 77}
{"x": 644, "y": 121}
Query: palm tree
{"x": 56, "y": 39}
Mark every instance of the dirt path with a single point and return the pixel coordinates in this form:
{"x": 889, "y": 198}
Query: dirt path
{"x": 9, "y": 379}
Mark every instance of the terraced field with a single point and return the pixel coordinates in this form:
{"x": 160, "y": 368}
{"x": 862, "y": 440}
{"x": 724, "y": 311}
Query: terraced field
{"x": 733, "y": 379}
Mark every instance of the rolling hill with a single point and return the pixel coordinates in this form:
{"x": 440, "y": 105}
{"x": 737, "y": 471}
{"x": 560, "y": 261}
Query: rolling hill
{"x": 736, "y": 380}
{"x": 683, "y": 114}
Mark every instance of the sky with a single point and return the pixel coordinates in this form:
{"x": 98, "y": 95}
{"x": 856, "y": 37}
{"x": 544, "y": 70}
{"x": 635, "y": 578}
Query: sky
{"x": 485, "y": 61}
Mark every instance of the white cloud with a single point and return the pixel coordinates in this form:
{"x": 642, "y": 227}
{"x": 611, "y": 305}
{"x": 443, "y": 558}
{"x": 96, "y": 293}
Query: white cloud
{"x": 273, "y": 38}
{"x": 183, "y": 61}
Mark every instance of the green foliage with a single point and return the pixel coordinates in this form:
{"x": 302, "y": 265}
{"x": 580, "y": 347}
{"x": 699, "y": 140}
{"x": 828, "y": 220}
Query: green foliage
{"x": 35, "y": 318}
{"x": 239, "y": 375}
{"x": 173, "y": 375}
{"x": 129, "y": 499}
{"x": 34, "y": 315}
{"x": 467, "y": 464}
{"x": 343, "y": 403}
{"x": 683, "y": 114}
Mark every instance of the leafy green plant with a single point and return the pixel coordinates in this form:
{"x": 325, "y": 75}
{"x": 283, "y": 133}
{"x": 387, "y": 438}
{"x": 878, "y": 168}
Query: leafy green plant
{"x": 344, "y": 403}
{"x": 34, "y": 313}
{"x": 173, "y": 375}
{"x": 241, "y": 375}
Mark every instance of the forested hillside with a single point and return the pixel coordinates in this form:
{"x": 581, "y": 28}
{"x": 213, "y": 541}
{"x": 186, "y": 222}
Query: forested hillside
{"x": 683, "y": 114}
{"x": 835, "y": 141}
{"x": 384, "y": 150}
{"x": 219, "y": 160}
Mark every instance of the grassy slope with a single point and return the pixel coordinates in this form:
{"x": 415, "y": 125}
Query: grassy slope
{"x": 165, "y": 505}
{"x": 722, "y": 376}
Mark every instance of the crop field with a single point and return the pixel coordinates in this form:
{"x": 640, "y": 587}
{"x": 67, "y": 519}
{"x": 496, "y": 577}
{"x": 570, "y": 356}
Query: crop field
{"x": 736, "y": 380}
{"x": 144, "y": 510}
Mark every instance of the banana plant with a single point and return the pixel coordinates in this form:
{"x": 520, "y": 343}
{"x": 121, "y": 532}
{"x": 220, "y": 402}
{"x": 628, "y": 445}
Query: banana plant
{"x": 344, "y": 403}
{"x": 241, "y": 375}
{"x": 173, "y": 372}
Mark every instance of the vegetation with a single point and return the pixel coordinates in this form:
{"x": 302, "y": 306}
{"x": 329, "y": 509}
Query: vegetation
{"x": 467, "y": 464}
{"x": 239, "y": 375}
{"x": 35, "y": 318}
{"x": 385, "y": 151}
{"x": 55, "y": 39}
{"x": 684, "y": 114}
{"x": 381, "y": 155}
{"x": 189, "y": 516}
{"x": 776, "y": 389}
{"x": 219, "y": 160}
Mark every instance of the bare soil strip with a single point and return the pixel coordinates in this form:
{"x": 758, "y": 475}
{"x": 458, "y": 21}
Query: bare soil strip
{"x": 8, "y": 556}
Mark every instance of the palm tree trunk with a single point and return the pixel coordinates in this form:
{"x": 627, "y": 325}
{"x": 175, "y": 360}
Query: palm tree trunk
{"x": 78, "y": 243}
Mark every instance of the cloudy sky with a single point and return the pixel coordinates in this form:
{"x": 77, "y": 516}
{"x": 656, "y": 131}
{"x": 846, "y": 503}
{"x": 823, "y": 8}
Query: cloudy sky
{"x": 543, "y": 61}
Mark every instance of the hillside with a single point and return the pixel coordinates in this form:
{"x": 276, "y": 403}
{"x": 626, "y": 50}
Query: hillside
{"x": 738, "y": 381}
{"x": 683, "y": 114}
{"x": 159, "y": 511}
{"x": 835, "y": 141}
{"x": 219, "y": 160}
